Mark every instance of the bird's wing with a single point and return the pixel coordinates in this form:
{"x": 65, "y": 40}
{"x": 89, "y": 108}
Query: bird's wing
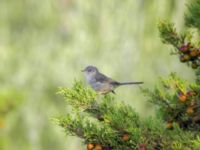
{"x": 104, "y": 79}
{"x": 101, "y": 78}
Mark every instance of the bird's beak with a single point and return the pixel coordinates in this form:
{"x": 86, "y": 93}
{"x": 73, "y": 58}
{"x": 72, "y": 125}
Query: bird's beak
{"x": 83, "y": 70}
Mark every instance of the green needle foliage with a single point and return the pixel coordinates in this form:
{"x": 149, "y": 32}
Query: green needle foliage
{"x": 192, "y": 18}
{"x": 103, "y": 123}
{"x": 168, "y": 33}
{"x": 78, "y": 97}
{"x": 177, "y": 102}
{"x": 186, "y": 45}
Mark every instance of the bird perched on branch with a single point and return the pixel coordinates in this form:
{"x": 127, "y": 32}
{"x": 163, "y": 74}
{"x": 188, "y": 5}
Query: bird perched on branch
{"x": 100, "y": 82}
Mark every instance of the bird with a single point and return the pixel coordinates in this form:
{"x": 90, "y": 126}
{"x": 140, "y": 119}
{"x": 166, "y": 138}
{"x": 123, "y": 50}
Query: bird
{"x": 101, "y": 83}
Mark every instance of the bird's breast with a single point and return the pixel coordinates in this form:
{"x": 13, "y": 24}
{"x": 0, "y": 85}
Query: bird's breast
{"x": 102, "y": 87}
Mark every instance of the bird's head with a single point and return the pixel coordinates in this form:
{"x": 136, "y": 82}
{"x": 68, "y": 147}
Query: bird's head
{"x": 90, "y": 71}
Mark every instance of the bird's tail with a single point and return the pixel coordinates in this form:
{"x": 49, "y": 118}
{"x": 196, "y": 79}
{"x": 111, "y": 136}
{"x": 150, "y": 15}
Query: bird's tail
{"x": 128, "y": 83}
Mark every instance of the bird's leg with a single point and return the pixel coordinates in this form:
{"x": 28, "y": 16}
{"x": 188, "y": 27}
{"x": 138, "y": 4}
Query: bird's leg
{"x": 113, "y": 92}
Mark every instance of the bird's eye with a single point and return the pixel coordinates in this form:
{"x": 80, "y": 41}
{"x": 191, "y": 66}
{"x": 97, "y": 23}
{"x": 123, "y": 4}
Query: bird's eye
{"x": 89, "y": 70}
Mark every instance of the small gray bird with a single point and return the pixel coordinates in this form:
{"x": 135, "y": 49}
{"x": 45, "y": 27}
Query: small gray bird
{"x": 100, "y": 82}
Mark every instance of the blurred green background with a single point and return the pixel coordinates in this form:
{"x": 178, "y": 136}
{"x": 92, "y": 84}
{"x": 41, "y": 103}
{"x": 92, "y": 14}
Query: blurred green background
{"x": 44, "y": 45}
